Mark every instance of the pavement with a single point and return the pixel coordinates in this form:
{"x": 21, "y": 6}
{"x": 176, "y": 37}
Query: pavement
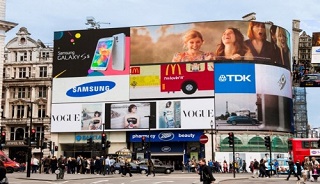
{"x": 52, "y": 177}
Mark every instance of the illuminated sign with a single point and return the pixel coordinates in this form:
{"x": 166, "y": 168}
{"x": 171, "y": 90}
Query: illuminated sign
{"x": 173, "y": 69}
{"x": 135, "y": 70}
{"x": 90, "y": 89}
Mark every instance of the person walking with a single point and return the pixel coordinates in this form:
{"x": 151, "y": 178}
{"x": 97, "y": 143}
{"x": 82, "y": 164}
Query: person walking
{"x": 127, "y": 169}
{"x": 291, "y": 169}
{"x": 150, "y": 168}
{"x": 3, "y": 173}
{"x": 205, "y": 172}
{"x": 255, "y": 168}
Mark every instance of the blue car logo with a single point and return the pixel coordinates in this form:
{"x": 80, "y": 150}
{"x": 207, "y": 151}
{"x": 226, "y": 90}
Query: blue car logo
{"x": 90, "y": 89}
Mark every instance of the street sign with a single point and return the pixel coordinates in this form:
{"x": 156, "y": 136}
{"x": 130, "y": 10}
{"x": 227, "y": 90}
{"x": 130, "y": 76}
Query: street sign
{"x": 203, "y": 139}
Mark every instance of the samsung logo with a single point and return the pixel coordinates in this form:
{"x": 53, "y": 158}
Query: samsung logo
{"x": 165, "y": 149}
{"x": 166, "y": 136}
{"x": 90, "y": 89}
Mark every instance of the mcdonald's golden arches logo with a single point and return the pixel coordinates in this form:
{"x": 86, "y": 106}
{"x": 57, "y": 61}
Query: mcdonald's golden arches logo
{"x": 173, "y": 69}
{"x": 135, "y": 70}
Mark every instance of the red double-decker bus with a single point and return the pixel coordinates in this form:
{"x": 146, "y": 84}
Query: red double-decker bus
{"x": 299, "y": 148}
{"x": 188, "y": 77}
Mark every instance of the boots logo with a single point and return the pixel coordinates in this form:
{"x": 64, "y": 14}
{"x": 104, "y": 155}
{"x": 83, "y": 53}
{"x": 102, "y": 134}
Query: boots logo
{"x": 165, "y": 149}
{"x": 166, "y": 136}
{"x": 90, "y": 89}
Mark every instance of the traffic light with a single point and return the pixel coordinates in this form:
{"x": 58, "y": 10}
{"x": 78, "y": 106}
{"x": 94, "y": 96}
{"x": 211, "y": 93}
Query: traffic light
{"x": 103, "y": 141}
{"x": 33, "y": 136}
{"x": 231, "y": 139}
{"x": 3, "y": 138}
{"x": 89, "y": 142}
{"x": 267, "y": 142}
{"x": 56, "y": 148}
{"x": 108, "y": 144}
{"x": 26, "y": 141}
{"x": 143, "y": 142}
{"x": 49, "y": 145}
{"x": 44, "y": 145}
{"x": 37, "y": 141}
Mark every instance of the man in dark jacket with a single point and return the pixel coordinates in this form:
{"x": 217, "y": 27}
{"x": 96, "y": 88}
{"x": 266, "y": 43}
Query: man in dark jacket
{"x": 291, "y": 169}
{"x": 205, "y": 172}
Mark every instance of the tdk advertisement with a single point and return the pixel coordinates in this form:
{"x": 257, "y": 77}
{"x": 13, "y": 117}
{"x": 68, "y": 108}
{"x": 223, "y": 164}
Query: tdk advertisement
{"x": 234, "y": 78}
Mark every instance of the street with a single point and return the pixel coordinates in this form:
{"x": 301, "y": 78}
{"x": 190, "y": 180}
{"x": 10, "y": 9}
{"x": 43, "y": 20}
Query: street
{"x": 176, "y": 178}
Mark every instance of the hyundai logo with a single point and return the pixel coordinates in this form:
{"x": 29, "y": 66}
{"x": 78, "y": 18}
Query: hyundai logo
{"x": 165, "y": 149}
{"x": 314, "y": 152}
{"x": 166, "y": 136}
{"x": 90, "y": 89}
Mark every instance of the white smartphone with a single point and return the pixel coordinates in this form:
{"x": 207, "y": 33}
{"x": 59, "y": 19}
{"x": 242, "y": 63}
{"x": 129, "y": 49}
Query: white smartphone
{"x": 102, "y": 54}
{"x": 118, "y": 53}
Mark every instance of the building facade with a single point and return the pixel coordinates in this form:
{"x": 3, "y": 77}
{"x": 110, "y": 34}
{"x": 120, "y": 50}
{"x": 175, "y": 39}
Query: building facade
{"x": 27, "y": 76}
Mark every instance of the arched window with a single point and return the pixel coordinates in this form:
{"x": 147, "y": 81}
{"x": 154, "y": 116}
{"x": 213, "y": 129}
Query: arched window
{"x": 19, "y": 134}
{"x": 256, "y": 141}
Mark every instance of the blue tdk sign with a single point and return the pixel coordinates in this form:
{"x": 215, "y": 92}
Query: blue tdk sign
{"x": 234, "y": 78}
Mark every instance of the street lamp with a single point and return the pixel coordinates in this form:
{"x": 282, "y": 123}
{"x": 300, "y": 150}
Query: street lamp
{"x": 29, "y": 146}
{"x": 212, "y": 153}
{"x": 149, "y": 152}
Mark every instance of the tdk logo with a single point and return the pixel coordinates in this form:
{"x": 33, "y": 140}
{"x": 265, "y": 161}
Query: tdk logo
{"x": 234, "y": 78}
{"x": 90, "y": 89}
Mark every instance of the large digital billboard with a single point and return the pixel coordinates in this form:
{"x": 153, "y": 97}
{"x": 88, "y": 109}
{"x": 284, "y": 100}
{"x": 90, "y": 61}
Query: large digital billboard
{"x": 179, "y": 76}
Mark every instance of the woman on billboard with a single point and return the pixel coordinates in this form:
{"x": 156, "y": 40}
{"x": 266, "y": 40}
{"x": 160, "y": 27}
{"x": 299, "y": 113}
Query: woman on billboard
{"x": 232, "y": 46}
{"x": 96, "y": 122}
{"x": 282, "y": 43}
{"x": 261, "y": 49}
{"x": 132, "y": 119}
{"x": 192, "y": 42}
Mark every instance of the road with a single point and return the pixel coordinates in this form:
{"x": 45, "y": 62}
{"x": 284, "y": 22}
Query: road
{"x": 174, "y": 178}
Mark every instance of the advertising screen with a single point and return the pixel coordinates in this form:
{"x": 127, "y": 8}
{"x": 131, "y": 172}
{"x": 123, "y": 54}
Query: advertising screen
{"x": 77, "y": 117}
{"x": 218, "y": 40}
{"x": 91, "y": 65}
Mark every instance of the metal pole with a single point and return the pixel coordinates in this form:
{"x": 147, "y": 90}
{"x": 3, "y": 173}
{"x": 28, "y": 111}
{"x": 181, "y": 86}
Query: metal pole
{"x": 104, "y": 152}
{"x": 212, "y": 153}
{"x": 149, "y": 141}
{"x": 29, "y": 146}
{"x": 234, "y": 159}
{"x": 270, "y": 157}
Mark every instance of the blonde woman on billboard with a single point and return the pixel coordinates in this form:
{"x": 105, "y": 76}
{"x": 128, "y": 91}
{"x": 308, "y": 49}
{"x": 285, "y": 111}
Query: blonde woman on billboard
{"x": 132, "y": 119}
{"x": 192, "y": 42}
{"x": 232, "y": 46}
{"x": 282, "y": 43}
{"x": 260, "y": 48}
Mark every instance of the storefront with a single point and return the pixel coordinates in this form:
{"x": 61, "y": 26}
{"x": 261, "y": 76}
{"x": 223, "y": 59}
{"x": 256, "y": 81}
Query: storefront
{"x": 171, "y": 147}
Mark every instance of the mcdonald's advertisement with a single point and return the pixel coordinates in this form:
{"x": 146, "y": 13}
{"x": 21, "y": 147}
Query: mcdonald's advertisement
{"x": 172, "y": 80}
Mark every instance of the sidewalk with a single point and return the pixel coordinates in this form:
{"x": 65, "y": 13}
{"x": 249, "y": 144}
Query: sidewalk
{"x": 53, "y": 177}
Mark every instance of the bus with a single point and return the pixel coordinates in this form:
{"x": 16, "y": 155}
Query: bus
{"x": 299, "y": 148}
{"x": 188, "y": 77}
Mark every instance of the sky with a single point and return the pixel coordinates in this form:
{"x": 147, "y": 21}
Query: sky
{"x": 43, "y": 17}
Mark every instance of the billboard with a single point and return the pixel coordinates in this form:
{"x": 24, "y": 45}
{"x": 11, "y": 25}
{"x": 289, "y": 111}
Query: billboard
{"x": 215, "y": 40}
{"x": 91, "y": 65}
{"x": 77, "y": 117}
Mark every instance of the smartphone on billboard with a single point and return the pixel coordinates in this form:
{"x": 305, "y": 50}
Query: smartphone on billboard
{"x": 102, "y": 54}
{"x": 118, "y": 53}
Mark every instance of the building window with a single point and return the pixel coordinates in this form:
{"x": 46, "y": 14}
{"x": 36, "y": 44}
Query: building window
{"x": 20, "y": 111}
{"x": 39, "y": 132}
{"x": 23, "y": 56}
{"x": 18, "y": 134}
{"x": 22, "y": 73}
{"x": 42, "y": 91}
{"x": 21, "y": 92}
{"x": 43, "y": 71}
{"x": 41, "y": 111}
{"x": 45, "y": 55}
{"x": 30, "y": 55}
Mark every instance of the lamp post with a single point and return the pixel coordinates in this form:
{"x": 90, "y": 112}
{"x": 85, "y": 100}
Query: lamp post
{"x": 212, "y": 153}
{"x": 29, "y": 146}
{"x": 149, "y": 152}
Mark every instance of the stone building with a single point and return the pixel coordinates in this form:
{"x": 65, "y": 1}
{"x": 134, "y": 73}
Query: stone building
{"x": 27, "y": 76}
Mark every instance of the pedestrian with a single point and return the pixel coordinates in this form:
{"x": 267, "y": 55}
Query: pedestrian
{"x": 61, "y": 166}
{"x": 276, "y": 166}
{"x": 291, "y": 169}
{"x": 35, "y": 165}
{"x": 255, "y": 168}
{"x": 3, "y": 173}
{"x": 108, "y": 164}
{"x": 244, "y": 166}
{"x": 298, "y": 168}
{"x": 205, "y": 172}
{"x": 150, "y": 168}
{"x": 127, "y": 168}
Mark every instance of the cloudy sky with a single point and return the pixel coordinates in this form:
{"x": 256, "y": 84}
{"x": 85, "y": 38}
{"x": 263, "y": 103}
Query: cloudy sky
{"x": 43, "y": 17}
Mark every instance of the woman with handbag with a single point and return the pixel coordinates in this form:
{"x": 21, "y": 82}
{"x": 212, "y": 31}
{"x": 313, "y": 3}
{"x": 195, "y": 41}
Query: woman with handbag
{"x": 205, "y": 172}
